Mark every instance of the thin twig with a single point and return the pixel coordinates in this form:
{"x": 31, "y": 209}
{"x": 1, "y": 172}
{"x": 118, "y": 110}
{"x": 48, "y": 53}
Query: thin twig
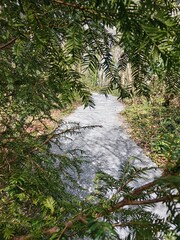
{"x": 76, "y": 6}
{"x": 8, "y": 44}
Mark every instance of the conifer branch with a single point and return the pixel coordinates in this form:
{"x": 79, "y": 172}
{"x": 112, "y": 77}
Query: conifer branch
{"x": 135, "y": 193}
{"x": 75, "y": 6}
{"x": 125, "y": 202}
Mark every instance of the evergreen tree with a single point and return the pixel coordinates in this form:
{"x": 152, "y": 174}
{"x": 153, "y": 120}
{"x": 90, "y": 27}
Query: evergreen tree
{"x": 45, "y": 46}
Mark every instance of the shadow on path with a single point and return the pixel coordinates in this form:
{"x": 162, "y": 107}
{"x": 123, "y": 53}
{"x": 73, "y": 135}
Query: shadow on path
{"x": 109, "y": 145}
{"x": 105, "y": 147}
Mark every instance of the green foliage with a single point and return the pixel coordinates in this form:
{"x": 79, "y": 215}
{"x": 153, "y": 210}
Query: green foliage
{"x": 156, "y": 129}
{"x": 150, "y": 39}
{"x": 44, "y": 48}
{"x": 111, "y": 195}
{"x": 50, "y": 204}
{"x": 102, "y": 230}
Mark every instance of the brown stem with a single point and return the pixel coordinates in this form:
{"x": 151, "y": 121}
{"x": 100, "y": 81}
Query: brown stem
{"x": 71, "y": 5}
{"x": 146, "y": 186}
{"x": 135, "y": 193}
{"x": 49, "y": 231}
{"x": 126, "y": 202}
{"x": 8, "y": 44}
{"x": 38, "y": 21}
{"x": 82, "y": 218}
{"x": 76, "y": 6}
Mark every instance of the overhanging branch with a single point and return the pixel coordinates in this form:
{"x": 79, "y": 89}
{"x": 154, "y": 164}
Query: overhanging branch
{"x": 125, "y": 202}
{"x": 78, "y": 7}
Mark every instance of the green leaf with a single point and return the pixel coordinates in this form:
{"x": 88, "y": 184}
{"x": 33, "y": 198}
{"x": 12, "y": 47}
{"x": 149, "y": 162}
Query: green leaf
{"x": 8, "y": 232}
{"x": 50, "y": 204}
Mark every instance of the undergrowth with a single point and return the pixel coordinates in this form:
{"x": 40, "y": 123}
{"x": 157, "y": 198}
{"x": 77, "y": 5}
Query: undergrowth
{"x": 156, "y": 129}
{"x": 50, "y": 124}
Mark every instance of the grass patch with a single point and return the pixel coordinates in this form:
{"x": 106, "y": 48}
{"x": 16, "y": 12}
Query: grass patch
{"x": 156, "y": 129}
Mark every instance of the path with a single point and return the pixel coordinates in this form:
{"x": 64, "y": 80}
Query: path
{"x": 106, "y": 147}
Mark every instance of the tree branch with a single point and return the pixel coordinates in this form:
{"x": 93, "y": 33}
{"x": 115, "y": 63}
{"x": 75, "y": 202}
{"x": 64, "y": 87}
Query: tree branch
{"x": 71, "y": 5}
{"x": 49, "y": 231}
{"x": 125, "y": 202}
{"x": 135, "y": 193}
{"x": 55, "y": 229}
{"x": 76, "y": 6}
{"x": 8, "y": 44}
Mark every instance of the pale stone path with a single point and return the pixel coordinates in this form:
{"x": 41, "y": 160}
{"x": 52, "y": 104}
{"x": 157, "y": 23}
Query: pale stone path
{"x": 105, "y": 147}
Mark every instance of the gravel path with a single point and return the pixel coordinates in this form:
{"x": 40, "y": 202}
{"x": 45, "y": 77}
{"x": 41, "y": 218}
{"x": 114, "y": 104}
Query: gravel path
{"x": 105, "y": 147}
